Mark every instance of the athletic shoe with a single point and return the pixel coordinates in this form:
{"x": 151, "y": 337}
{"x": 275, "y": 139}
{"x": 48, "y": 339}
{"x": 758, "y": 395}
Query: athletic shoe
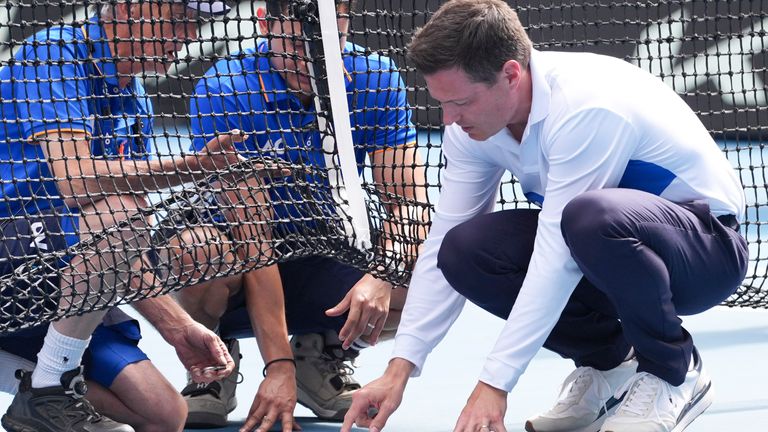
{"x": 323, "y": 377}
{"x": 585, "y": 401}
{"x": 208, "y": 405}
{"x": 653, "y": 405}
{"x": 56, "y": 409}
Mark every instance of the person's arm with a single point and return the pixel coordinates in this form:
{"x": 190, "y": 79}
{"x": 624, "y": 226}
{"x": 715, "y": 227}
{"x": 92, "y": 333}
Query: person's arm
{"x": 196, "y": 346}
{"x": 588, "y": 151}
{"x": 469, "y": 188}
{"x": 400, "y": 177}
{"x": 276, "y": 397}
{"x": 83, "y": 179}
{"x": 401, "y": 173}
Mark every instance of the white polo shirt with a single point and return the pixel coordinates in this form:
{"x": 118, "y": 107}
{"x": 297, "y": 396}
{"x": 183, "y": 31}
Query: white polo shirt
{"x": 596, "y": 122}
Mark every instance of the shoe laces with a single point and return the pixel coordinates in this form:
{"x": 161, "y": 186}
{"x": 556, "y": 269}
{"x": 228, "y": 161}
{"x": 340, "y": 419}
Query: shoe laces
{"x": 85, "y": 407}
{"x": 641, "y": 392}
{"x": 575, "y": 385}
{"x": 338, "y": 367}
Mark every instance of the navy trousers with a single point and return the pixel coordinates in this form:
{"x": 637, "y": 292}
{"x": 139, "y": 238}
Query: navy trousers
{"x": 645, "y": 260}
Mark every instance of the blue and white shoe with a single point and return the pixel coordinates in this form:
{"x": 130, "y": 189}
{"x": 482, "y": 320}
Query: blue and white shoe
{"x": 651, "y": 404}
{"x": 586, "y": 400}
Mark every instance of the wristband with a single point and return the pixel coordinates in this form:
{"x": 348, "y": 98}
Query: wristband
{"x": 271, "y": 362}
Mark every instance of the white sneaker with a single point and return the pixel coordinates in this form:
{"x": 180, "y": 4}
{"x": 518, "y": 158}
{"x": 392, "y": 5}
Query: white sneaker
{"x": 586, "y": 399}
{"x": 653, "y": 405}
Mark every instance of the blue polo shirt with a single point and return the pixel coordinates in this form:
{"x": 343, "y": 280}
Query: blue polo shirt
{"x": 246, "y": 93}
{"x": 64, "y": 79}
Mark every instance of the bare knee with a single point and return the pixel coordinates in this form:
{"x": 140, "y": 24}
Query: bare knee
{"x": 198, "y": 253}
{"x": 168, "y": 416}
{"x": 207, "y": 302}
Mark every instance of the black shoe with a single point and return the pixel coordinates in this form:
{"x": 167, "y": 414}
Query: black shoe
{"x": 56, "y": 409}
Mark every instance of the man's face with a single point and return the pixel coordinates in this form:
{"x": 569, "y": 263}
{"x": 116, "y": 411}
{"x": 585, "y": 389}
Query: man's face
{"x": 289, "y": 53}
{"x": 160, "y": 28}
{"x": 481, "y": 110}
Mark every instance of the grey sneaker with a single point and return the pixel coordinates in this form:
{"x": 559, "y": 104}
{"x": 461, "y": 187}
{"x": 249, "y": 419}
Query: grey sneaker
{"x": 56, "y": 409}
{"x": 323, "y": 378}
{"x": 209, "y": 404}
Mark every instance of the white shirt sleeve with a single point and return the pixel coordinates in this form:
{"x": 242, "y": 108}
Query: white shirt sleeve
{"x": 578, "y": 158}
{"x": 469, "y": 188}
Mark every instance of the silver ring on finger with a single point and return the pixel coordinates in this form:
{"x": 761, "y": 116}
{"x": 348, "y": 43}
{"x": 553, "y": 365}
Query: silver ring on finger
{"x": 371, "y": 326}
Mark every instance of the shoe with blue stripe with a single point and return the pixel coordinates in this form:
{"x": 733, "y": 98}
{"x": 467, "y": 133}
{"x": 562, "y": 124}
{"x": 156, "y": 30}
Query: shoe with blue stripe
{"x": 586, "y": 399}
{"x": 651, "y": 404}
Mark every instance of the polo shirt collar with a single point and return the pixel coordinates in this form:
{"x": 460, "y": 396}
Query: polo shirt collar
{"x": 541, "y": 91}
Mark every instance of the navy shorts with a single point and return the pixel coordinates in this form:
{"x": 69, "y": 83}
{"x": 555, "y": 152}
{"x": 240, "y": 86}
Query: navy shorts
{"x": 311, "y": 286}
{"x": 112, "y": 348}
{"x": 31, "y": 254}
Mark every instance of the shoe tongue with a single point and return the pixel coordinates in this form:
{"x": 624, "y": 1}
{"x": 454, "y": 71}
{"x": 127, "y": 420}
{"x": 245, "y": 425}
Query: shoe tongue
{"x": 200, "y": 389}
{"x": 75, "y": 382}
{"x": 336, "y": 352}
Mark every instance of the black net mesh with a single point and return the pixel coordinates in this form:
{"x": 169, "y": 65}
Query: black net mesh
{"x": 123, "y": 178}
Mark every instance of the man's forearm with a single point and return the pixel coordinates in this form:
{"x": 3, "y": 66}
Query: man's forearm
{"x": 400, "y": 370}
{"x": 266, "y": 308}
{"x": 164, "y": 314}
{"x": 97, "y": 179}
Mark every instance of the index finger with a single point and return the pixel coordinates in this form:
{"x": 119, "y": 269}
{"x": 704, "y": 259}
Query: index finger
{"x": 352, "y": 413}
{"x": 225, "y": 140}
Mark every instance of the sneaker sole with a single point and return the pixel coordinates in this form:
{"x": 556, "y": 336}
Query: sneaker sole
{"x": 592, "y": 427}
{"x": 12, "y": 425}
{"x": 321, "y": 413}
{"x": 207, "y": 419}
{"x": 697, "y": 407}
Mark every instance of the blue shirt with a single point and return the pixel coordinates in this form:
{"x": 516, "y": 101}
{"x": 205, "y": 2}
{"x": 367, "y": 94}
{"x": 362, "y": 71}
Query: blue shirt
{"x": 63, "y": 79}
{"x": 246, "y": 93}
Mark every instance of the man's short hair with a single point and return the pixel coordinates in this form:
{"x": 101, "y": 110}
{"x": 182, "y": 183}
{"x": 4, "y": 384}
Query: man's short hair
{"x": 477, "y": 36}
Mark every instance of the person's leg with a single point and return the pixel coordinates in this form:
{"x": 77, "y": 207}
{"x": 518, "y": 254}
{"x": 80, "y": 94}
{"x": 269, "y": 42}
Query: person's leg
{"x": 486, "y": 259}
{"x": 92, "y": 278}
{"x": 124, "y": 385}
{"x": 656, "y": 260}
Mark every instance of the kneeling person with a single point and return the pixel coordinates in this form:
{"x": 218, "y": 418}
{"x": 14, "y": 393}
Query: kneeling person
{"x": 326, "y": 305}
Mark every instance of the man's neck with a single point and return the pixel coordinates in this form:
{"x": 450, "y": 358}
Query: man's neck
{"x": 123, "y": 66}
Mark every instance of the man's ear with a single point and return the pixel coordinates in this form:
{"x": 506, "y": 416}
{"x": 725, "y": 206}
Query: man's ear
{"x": 261, "y": 15}
{"x": 512, "y": 72}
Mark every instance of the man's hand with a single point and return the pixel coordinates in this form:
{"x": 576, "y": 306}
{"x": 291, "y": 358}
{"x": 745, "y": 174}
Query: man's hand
{"x": 275, "y": 400}
{"x": 368, "y": 306}
{"x": 373, "y": 404}
{"x": 199, "y": 348}
{"x": 484, "y": 411}
{"x": 218, "y": 154}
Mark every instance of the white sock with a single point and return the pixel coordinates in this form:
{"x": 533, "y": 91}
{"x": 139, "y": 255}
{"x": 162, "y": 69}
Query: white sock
{"x": 631, "y": 354}
{"x": 59, "y": 354}
{"x": 8, "y": 382}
